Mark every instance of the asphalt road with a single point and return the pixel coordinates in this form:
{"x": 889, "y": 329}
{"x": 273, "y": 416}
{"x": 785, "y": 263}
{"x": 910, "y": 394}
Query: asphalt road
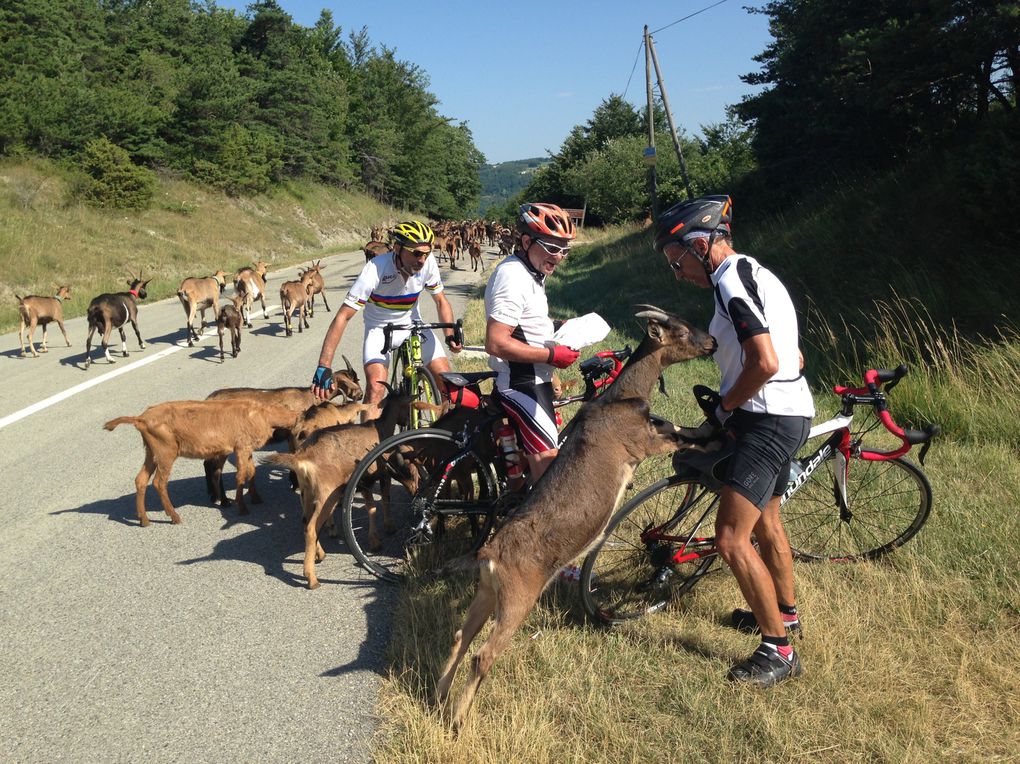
{"x": 196, "y": 642}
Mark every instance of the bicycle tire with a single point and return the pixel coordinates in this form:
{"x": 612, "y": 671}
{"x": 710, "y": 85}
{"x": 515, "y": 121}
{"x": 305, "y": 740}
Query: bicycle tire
{"x": 427, "y": 391}
{"x": 442, "y": 518}
{"x": 889, "y": 503}
{"x": 619, "y": 577}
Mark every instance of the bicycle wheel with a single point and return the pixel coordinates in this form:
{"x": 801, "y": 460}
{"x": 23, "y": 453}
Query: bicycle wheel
{"x": 629, "y": 572}
{"x": 427, "y": 391}
{"x": 888, "y": 502}
{"x": 407, "y": 508}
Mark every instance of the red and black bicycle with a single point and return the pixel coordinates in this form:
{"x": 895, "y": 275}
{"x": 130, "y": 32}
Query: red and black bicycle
{"x": 854, "y": 503}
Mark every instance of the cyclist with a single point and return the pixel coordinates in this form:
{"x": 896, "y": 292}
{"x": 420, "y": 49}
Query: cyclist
{"x": 766, "y": 405}
{"x": 519, "y": 332}
{"x": 388, "y": 289}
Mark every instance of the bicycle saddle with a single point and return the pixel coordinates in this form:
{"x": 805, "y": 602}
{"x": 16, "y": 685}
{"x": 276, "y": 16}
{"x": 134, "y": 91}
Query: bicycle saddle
{"x": 463, "y": 379}
{"x": 708, "y": 466}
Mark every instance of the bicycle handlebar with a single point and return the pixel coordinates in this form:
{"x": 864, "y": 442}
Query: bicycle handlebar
{"x": 875, "y": 397}
{"x": 417, "y": 327}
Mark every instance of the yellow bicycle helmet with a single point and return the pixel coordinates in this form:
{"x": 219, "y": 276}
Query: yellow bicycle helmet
{"x": 413, "y": 234}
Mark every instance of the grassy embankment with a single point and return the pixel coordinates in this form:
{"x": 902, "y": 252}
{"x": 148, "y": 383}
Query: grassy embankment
{"x": 188, "y": 231}
{"x": 906, "y": 659}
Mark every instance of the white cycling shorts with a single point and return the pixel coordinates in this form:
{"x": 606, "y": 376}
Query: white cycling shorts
{"x": 431, "y": 348}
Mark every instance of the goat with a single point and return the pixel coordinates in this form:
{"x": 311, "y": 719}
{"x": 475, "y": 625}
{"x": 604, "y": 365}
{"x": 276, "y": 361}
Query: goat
{"x": 328, "y": 414}
{"x": 40, "y": 311}
{"x": 313, "y": 276}
{"x": 197, "y": 296}
{"x": 475, "y": 250}
{"x": 109, "y": 311}
{"x": 375, "y": 248}
{"x": 571, "y": 504}
{"x": 325, "y": 462}
{"x": 297, "y": 399}
{"x": 230, "y": 319}
{"x": 202, "y": 430}
{"x": 293, "y": 296}
{"x": 251, "y": 283}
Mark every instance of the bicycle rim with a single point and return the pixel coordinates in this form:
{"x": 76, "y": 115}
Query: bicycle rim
{"x": 426, "y": 391}
{"x": 888, "y": 502}
{"x": 434, "y": 514}
{"x": 624, "y": 577}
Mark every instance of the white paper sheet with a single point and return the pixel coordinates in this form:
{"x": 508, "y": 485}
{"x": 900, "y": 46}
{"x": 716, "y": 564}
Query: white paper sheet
{"x": 582, "y": 331}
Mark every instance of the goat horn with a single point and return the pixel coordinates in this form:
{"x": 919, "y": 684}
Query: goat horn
{"x": 349, "y": 367}
{"x": 651, "y": 312}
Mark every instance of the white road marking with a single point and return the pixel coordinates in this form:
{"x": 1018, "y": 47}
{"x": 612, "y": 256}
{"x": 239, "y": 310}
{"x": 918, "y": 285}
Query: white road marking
{"x": 17, "y": 416}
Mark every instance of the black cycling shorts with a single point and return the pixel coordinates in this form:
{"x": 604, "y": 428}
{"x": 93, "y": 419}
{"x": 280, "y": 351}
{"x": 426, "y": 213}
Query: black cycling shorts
{"x": 760, "y": 467}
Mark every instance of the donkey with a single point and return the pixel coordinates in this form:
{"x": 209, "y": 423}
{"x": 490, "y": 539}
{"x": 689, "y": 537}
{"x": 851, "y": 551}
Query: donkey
{"x": 571, "y": 504}
{"x": 112, "y": 311}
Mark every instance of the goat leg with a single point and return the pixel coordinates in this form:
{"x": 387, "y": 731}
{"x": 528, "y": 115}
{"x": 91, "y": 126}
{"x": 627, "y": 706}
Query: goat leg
{"x": 160, "y": 480}
{"x": 138, "y": 334}
{"x": 478, "y": 613}
{"x": 214, "y": 480}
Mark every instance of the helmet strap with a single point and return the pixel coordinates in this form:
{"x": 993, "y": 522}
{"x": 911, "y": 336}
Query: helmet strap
{"x": 706, "y": 261}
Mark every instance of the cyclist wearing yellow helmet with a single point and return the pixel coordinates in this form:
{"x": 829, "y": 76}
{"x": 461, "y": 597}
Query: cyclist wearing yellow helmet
{"x": 388, "y": 290}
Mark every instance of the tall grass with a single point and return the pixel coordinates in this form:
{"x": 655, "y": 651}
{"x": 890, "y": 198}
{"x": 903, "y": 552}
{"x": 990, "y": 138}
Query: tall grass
{"x": 903, "y": 656}
{"x": 188, "y": 231}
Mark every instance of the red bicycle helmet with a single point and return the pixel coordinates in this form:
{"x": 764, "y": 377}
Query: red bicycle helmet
{"x": 537, "y": 219}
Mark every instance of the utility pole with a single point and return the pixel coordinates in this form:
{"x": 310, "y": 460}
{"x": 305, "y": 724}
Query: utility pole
{"x": 650, "y": 151}
{"x": 650, "y": 51}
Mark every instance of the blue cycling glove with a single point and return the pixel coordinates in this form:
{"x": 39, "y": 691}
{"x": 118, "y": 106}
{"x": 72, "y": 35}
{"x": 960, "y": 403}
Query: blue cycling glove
{"x": 323, "y": 377}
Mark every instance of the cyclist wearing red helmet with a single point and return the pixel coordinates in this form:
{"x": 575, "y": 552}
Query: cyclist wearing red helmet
{"x": 766, "y": 404}
{"x": 519, "y": 332}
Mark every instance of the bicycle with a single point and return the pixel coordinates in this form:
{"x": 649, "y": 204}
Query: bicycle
{"x": 462, "y": 482}
{"x": 409, "y": 374}
{"x": 855, "y": 504}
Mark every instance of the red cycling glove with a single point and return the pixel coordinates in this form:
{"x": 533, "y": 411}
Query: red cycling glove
{"x": 562, "y": 356}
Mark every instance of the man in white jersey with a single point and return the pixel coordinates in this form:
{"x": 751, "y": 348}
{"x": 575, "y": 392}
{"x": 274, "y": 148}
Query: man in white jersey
{"x": 766, "y": 404}
{"x": 388, "y": 290}
{"x": 519, "y": 332}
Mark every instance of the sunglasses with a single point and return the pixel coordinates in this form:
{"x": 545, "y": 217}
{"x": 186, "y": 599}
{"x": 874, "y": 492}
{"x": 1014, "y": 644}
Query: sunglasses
{"x": 676, "y": 264}
{"x": 552, "y": 249}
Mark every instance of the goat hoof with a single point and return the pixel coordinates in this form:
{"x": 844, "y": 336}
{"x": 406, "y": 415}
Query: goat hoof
{"x": 313, "y": 584}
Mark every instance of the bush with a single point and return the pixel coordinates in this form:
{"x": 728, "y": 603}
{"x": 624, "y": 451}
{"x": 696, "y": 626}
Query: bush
{"x": 112, "y": 179}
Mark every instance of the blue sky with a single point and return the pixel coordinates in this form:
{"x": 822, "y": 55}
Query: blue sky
{"x": 522, "y": 74}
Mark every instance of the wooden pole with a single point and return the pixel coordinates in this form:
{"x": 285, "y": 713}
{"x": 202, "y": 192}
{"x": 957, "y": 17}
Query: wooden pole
{"x": 652, "y": 181}
{"x": 650, "y": 47}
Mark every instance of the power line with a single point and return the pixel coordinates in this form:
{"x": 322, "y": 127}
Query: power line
{"x": 691, "y": 16}
{"x": 636, "y": 55}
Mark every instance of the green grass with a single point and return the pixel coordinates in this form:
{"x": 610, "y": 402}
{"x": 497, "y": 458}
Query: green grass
{"x": 906, "y": 658}
{"x": 188, "y": 231}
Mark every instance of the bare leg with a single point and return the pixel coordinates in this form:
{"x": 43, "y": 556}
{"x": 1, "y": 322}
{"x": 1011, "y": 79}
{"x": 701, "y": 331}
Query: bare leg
{"x": 775, "y": 551}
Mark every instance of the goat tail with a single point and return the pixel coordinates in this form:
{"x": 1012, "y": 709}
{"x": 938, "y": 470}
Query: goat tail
{"x": 290, "y": 461}
{"x": 122, "y": 420}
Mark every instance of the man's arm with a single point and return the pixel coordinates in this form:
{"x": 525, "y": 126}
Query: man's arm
{"x": 499, "y": 342}
{"x": 760, "y": 365}
{"x": 445, "y": 311}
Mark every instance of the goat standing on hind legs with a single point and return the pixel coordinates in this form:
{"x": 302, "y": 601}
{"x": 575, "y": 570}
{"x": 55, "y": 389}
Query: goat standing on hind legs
{"x": 571, "y": 504}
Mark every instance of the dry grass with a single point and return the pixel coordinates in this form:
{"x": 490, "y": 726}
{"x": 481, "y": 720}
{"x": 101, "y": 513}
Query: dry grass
{"x": 188, "y": 231}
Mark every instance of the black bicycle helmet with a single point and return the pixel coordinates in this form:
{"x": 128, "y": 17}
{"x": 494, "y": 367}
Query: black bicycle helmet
{"x": 706, "y": 213}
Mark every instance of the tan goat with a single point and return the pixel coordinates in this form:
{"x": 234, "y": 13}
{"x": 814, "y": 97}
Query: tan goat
{"x": 475, "y": 250}
{"x": 41, "y": 311}
{"x": 328, "y": 414}
{"x": 199, "y": 295}
{"x": 375, "y": 248}
{"x": 230, "y": 320}
{"x": 317, "y": 285}
{"x": 570, "y": 506}
{"x": 294, "y": 296}
{"x": 325, "y": 462}
{"x": 251, "y": 283}
{"x": 202, "y": 430}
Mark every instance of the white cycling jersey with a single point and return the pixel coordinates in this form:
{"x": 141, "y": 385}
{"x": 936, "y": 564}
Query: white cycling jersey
{"x": 386, "y": 296}
{"x": 750, "y": 300}
{"x": 515, "y": 296}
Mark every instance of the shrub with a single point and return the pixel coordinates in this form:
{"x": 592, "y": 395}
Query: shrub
{"x": 112, "y": 179}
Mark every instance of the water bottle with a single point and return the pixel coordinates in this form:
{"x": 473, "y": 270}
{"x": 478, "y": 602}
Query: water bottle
{"x": 796, "y": 470}
{"x": 508, "y": 447}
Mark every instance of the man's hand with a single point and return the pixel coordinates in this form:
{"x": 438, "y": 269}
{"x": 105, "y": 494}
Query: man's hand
{"x": 322, "y": 383}
{"x": 722, "y": 415}
{"x": 562, "y": 356}
{"x": 451, "y": 342}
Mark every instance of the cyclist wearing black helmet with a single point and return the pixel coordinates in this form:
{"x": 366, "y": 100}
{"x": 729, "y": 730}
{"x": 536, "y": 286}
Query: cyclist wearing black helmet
{"x": 388, "y": 289}
{"x": 766, "y": 404}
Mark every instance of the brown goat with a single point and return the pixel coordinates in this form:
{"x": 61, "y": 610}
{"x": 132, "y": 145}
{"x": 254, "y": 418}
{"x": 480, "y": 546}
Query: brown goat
{"x": 317, "y": 285}
{"x": 294, "y": 296}
{"x": 110, "y": 311}
{"x": 571, "y": 504}
{"x": 328, "y": 414}
{"x": 199, "y": 295}
{"x": 251, "y": 283}
{"x": 475, "y": 250}
{"x": 202, "y": 430}
{"x": 325, "y": 462}
{"x": 230, "y": 319}
{"x": 40, "y": 311}
{"x": 374, "y": 248}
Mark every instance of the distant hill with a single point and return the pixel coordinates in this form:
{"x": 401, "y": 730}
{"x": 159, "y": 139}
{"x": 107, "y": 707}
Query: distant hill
{"x": 503, "y": 180}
